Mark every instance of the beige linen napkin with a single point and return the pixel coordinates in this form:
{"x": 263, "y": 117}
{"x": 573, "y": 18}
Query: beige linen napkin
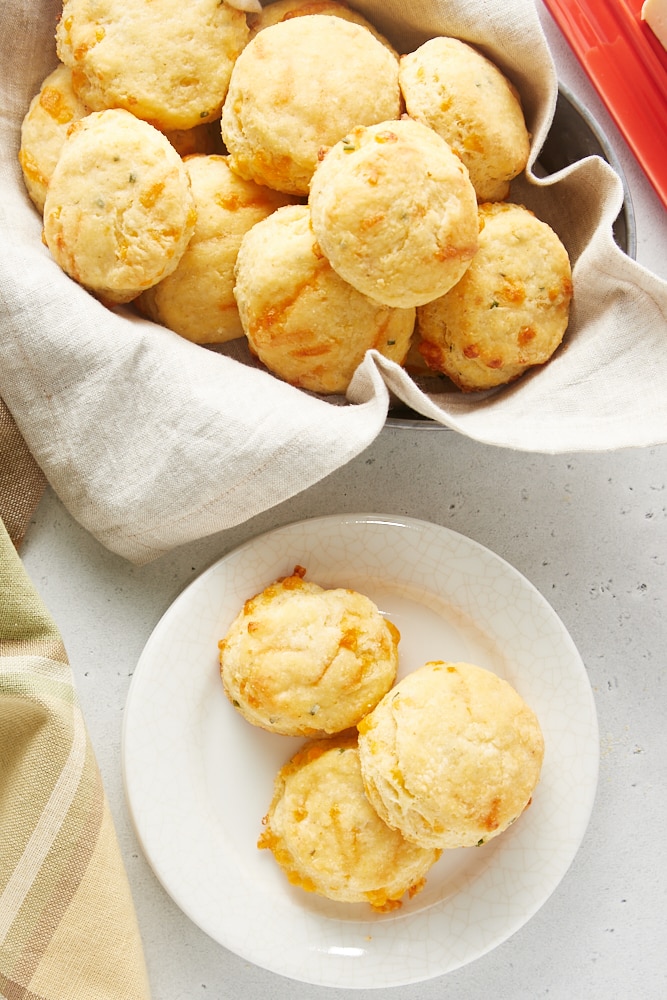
{"x": 151, "y": 441}
{"x": 68, "y": 929}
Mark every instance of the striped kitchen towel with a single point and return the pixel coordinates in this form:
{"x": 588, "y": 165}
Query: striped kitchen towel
{"x": 68, "y": 929}
{"x": 22, "y": 481}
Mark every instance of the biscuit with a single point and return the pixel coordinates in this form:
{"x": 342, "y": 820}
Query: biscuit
{"x": 451, "y": 87}
{"x": 304, "y": 322}
{"x": 119, "y": 212}
{"x": 395, "y": 213}
{"x": 283, "y": 10}
{"x": 168, "y": 63}
{"x": 510, "y": 310}
{"x": 300, "y": 660}
{"x": 197, "y": 299}
{"x": 327, "y": 837}
{"x": 44, "y": 130}
{"x": 299, "y": 85}
{"x": 451, "y": 756}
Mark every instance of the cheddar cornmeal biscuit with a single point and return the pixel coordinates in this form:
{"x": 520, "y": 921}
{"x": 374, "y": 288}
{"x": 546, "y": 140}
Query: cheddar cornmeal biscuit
{"x": 283, "y": 10}
{"x": 304, "y": 322}
{"x": 304, "y": 661}
{"x": 395, "y": 213}
{"x": 511, "y": 308}
{"x": 119, "y": 212}
{"x": 457, "y": 91}
{"x": 299, "y": 85}
{"x": 451, "y": 756}
{"x": 44, "y": 130}
{"x": 327, "y": 837}
{"x": 197, "y": 299}
{"x": 166, "y": 62}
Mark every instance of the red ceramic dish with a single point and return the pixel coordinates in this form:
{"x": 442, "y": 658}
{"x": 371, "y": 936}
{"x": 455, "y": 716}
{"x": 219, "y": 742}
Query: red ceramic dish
{"x": 627, "y": 65}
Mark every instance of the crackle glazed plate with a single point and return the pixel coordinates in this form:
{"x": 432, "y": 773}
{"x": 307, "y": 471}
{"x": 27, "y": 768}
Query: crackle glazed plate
{"x": 199, "y": 778}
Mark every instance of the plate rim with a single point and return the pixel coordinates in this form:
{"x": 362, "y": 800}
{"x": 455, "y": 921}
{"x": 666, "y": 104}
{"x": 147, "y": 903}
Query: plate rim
{"x": 360, "y": 520}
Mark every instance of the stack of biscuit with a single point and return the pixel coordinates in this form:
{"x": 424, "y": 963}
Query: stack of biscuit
{"x": 392, "y": 773}
{"x": 287, "y": 178}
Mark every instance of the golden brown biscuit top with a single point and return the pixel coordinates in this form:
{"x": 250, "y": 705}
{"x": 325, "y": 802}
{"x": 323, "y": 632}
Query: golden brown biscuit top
{"x": 324, "y": 832}
{"x": 395, "y": 213}
{"x": 302, "y": 660}
{"x": 168, "y": 63}
{"x": 451, "y": 755}
{"x": 511, "y": 308}
{"x": 455, "y": 90}
{"x": 301, "y": 319}
{"x": 281, "y": 109}
{"x": 119, "y": 212}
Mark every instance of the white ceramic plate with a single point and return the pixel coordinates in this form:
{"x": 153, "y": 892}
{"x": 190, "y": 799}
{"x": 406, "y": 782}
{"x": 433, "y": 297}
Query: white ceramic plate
{"x": 199, "y": 778}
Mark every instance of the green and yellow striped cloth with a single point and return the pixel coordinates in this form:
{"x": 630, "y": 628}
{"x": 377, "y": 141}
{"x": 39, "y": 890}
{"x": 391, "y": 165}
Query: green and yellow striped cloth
{"x": 68, "y": 929}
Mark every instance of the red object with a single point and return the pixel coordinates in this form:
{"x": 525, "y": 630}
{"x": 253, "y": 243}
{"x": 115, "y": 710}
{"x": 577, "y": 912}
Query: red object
{"x": 627, "y": 65}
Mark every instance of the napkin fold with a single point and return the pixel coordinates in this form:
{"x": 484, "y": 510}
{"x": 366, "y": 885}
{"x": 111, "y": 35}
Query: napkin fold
{"x": 68, "y": 929}
{"x": 151, "y": 441}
